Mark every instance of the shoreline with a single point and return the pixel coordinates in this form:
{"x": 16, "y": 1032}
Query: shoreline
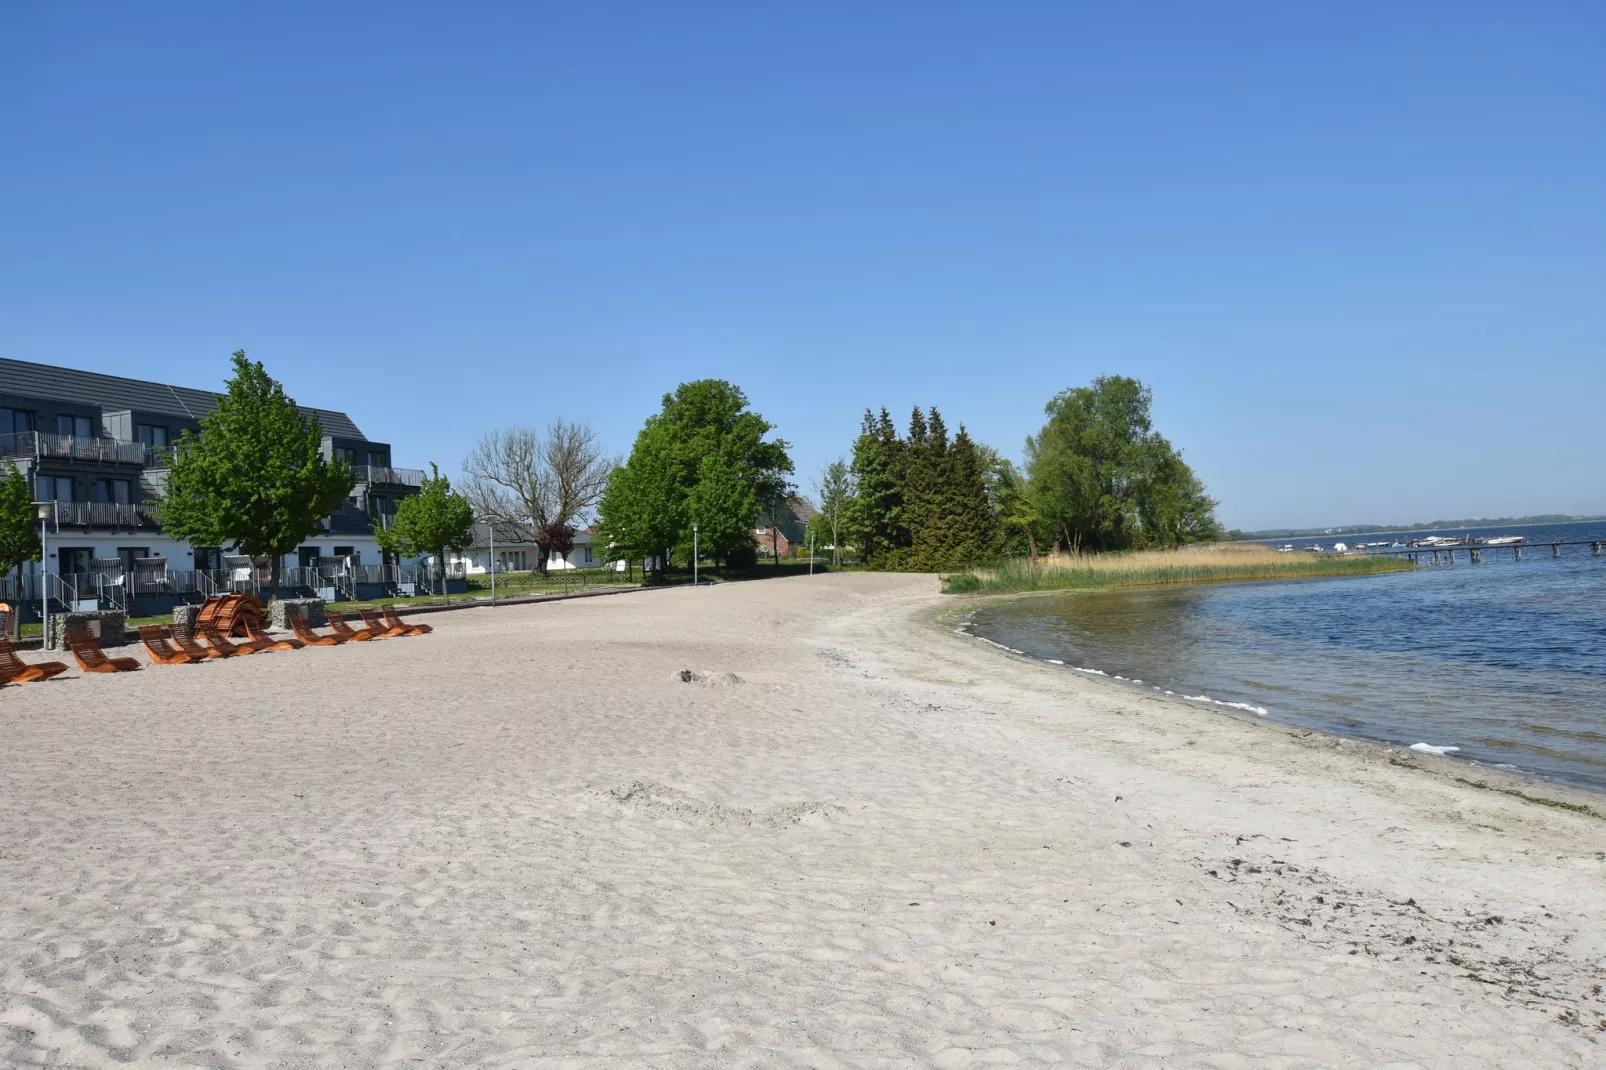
{"x": 1518, "y": 783}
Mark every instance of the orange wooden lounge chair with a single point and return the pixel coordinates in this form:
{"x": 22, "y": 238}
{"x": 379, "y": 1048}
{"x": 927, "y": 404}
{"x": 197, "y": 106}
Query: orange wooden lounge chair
{"x": 86, "y": 651}
{"x": 348, "y": 634}
{"x": 195, "y": 650}
{"x": 208, "y": 630}
{"x": 309, "y": 637}
{"x": 263, "y": 641}
{"x": 395, "y": 621}
{"x": 379, "y": 628}
{"x": 13, "y": 670}
{"x": 162, "y": 652}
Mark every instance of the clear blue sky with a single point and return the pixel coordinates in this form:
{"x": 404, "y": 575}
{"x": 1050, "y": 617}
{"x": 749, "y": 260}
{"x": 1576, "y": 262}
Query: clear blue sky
{"x": 1359, "y": 251}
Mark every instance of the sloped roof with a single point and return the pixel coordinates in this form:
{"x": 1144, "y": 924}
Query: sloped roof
{"x": 114, "y": 392}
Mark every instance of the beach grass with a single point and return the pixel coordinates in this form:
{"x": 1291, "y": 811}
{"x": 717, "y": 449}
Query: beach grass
{"x": 1152, "y": 568}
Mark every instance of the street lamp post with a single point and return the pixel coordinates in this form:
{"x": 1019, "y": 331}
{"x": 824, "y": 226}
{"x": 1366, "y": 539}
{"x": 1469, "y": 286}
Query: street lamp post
{"x": 43, "y": 509}
{"x": 694, "y": 555}
{"x": 491, "y": 527}
{"x": 811, "y": 553}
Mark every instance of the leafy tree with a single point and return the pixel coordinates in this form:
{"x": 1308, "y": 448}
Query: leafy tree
{"x": 643, "y": 511}
{"x": 554, "y": 539}
{"x": 430, "y": 522}
{"x": 1172, "y": 503}
{"x": 646, "y": 509}
{"x": 724, "y": 508}
{"x": 835, "y": 488}
{"x": 19, "y": 528}
{"x": 255, "y": 479}
{"x": 1010, "y": 503}
{"x": 1102, "y": 479}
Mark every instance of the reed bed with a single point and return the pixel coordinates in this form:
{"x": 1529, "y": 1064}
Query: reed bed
{"x": 1149, "y": 568}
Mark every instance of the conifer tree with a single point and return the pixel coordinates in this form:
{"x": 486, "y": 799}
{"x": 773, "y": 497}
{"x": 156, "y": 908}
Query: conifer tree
{"x": 972, "y": 527}
{"x": 875, "y": 516}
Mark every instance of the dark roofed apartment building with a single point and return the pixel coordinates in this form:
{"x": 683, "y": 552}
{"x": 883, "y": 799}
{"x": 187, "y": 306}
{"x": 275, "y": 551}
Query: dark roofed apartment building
{"x": 98, "y": 446}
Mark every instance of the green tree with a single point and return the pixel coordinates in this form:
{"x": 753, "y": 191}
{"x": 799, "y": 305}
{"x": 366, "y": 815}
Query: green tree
{"x": 723, "y": 507}
{"x": 434, "y": 520}
{"x": 1101, "y": 478}
{"x": 971, "y": 529}
{"x": 835, "y": 488}
{"x": 255, "y": 479}
{"x": 874, "y": 517}
{"x": 645, "y": 510}
{"x": 1172, "y": 503}
{"x": 1010, "y": 502}
{"x": 19, "y": 528}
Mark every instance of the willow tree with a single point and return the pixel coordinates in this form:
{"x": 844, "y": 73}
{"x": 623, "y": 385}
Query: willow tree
{"x": 255, "y": 479}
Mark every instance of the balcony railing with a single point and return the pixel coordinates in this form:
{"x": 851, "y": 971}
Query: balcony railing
{"x": 102, "y": 515}
{"x": 394, "y": 477}
{"x": 72, "y": 448}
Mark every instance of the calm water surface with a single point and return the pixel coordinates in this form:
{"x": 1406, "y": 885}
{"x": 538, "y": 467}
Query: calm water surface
{"x": 1504, "y": 661}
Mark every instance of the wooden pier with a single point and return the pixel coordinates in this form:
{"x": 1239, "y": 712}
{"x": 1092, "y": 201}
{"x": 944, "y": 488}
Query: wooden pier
{"x": 1474, "y": 551}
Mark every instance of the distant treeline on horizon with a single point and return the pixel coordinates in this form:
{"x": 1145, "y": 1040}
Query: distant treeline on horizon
{"x": 1432, "y": 525}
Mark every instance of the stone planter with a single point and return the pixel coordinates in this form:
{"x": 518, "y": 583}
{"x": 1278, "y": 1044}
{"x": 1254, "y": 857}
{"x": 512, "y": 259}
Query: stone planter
{"x": 184, "y": 619}
{"x": 107, "y": 624}
{"x": 309, "y": 610}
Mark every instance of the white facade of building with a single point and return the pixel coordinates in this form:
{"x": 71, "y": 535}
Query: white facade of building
{"x": 525, "y": 557}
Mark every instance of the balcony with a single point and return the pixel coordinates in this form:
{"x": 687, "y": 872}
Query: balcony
{"x": 390, "y": 477}
{"x": 101, "y": 515}
{"x": 45, "y": 447}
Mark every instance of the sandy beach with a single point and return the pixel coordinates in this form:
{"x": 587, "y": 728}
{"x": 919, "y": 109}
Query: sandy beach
{"x": 786, "y": 823}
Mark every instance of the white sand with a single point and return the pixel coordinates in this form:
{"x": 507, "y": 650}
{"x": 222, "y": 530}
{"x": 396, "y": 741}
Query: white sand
{"x": 523, "y": 841}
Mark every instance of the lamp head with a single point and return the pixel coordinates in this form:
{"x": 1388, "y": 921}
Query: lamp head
{"x": 44, "y": 509}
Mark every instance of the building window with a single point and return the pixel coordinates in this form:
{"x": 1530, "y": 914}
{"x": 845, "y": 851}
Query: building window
{"x": 343, "y": 454}
{"x": 16, "y": 422}
{"x": 73, "y": 426}
{"x": 152, "y": 434}
{"x": 54, "y": 488}
{"x": 379, "y": 458}
{"x": 589, "y": 558}
{"x": 208, "y": 558}
{"x": 112, "y": 491}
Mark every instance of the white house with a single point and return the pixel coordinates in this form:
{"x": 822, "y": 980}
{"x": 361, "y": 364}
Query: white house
{"x": 517, "y": 552}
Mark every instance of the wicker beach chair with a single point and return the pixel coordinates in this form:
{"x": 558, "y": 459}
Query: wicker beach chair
{"x": 347, "y": 634}
{"x": 379, "y": 628}
{"x": 395, "y": 621}
{"x": 161, "y": 650}
{"x": 263, "y": 641}
{"x": 86, "y": 651}
{"x": 309, "y": 637}
{"x": 13, "y": 670}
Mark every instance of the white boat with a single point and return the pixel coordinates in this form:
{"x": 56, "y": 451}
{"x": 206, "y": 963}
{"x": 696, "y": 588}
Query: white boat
{"x": 1340, "y": 548}
{"x": 1504, "y": 540}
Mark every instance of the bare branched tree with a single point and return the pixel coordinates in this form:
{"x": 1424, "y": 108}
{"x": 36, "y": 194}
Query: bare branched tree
{"x": 538, "y": 484}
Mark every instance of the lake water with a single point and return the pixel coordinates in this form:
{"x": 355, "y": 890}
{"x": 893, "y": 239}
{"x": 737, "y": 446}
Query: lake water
{"x": 1504, "y": 661}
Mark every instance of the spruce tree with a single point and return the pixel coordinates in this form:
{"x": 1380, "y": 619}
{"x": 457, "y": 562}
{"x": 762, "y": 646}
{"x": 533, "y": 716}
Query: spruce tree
{"x": 875, "y": 517}
{"x": 973, "y": 531}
